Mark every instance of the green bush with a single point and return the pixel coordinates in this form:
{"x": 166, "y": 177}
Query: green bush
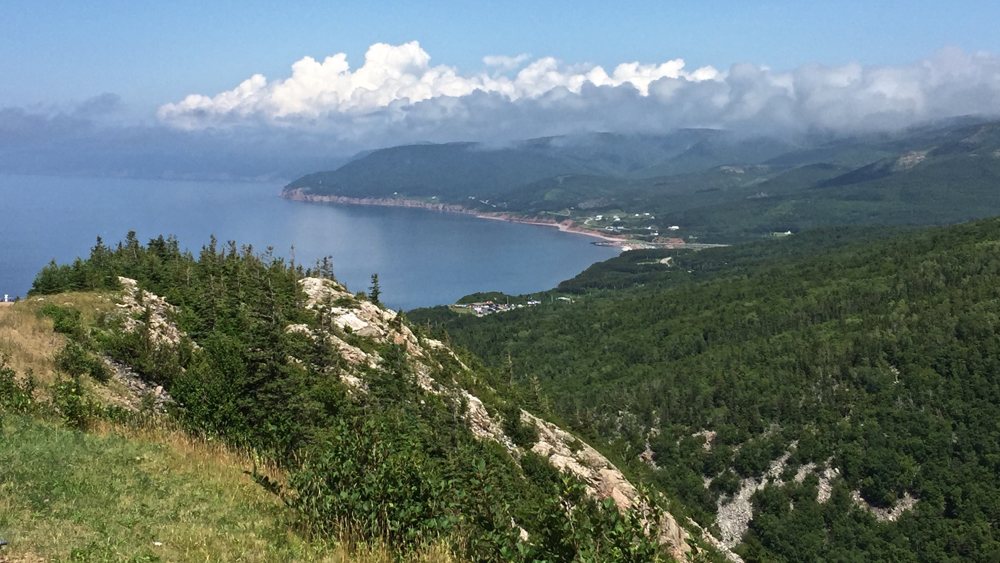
{"x": 15, "y": 397}
{"x": 374, "y": 482}
{"x": 73, "y": 403}
{"x": 76, "y": 361}
{"x": 524, "y": 435}
{"x": 65, "y": 320}
{"x": 539, "y": 470}
{"x": 727, "y": 483}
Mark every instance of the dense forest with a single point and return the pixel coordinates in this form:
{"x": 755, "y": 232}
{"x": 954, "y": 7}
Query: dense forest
{"x": 864, "y": 358}
{"x": 394, "y": 463}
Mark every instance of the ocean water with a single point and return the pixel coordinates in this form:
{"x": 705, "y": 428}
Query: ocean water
{"x": 422, "y": 257}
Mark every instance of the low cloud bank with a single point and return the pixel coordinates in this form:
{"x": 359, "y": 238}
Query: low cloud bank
{"x": 398, "y": 96}
{"x": 324, "y": 111}
{"x": 93, "y": 139}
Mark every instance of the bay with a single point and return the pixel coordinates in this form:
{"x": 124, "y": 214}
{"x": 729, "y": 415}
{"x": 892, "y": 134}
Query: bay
{"x": 422, "y": 257}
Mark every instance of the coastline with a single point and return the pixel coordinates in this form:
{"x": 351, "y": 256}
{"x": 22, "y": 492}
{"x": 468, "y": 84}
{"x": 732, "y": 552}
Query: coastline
{"x": 567, "y": 226}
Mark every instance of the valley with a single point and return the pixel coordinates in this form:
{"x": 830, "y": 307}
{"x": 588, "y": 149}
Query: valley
{"x": 824, "y": 394}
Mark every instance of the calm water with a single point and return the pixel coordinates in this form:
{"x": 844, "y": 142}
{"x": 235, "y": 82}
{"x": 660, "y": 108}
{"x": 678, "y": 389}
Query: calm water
{"x": 422, "y": 257}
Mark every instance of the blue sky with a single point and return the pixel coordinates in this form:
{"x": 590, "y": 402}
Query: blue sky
{"x": 152, "y": 53}
{"x": 225, "y": 88}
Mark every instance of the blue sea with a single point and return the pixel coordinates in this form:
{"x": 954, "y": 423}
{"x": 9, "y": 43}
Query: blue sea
{"x": 422, "y": 257}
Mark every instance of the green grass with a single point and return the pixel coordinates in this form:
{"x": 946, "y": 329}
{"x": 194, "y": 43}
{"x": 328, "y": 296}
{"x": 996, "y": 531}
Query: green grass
{"x": 68, "y": 495}
{"x": 76, "y": 496}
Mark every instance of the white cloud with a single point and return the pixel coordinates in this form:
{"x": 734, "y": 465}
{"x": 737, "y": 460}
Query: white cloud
{"x": 397, "y": 96}
{"x": 393, "y": 74}
{"x": 324, "y": 110}
{"x": 505, "y": 63}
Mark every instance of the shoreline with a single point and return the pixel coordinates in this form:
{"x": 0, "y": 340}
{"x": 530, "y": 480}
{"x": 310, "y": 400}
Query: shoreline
{"x": 567, "y": 226}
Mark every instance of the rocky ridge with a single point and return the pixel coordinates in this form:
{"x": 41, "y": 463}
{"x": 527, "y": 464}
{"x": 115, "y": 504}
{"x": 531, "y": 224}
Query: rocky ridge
{"x": 353, "y": 317}
{"x": 563, "y": 450}
{"x": 134, "y": 303}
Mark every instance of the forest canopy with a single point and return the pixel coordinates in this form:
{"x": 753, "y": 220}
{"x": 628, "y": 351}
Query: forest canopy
{"x": 875, "y": 354}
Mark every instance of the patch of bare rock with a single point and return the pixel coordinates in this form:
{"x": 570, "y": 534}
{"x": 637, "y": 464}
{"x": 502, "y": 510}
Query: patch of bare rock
{"x": 736, "y": 512}
{"x": 135, "y": 302}
{"x": 602, "y": 479}
{"x": 564, "y": 451}
{"x": 136, "y": 389}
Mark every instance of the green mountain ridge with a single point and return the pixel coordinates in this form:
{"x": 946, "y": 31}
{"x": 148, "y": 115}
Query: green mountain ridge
{"x": 717, "y": 186}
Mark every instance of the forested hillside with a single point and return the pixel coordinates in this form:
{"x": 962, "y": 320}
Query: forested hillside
{"x": 714, "y": 185}
{"x": 846, "y": 382}
{"x": 378, "y": 434}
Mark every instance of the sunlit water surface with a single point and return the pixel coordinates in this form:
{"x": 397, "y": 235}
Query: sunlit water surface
{"x": 422, "y": 257}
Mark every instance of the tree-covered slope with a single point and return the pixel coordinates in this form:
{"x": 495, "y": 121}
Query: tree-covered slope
{"x": 854, "y": 380}
{"x": 453, "y": 172}
{"x": 381, "y": 434}
{"x": 716, "y": 186}
{"x": 946, "y": 183}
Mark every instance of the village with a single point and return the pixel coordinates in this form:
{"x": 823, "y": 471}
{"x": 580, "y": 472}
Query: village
{"x": 484, "y": 308}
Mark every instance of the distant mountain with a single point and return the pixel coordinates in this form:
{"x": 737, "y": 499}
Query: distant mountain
{"x": 717, "y": 186}
{"x": 455, "y": 172}
{"x": 718, "y": 150}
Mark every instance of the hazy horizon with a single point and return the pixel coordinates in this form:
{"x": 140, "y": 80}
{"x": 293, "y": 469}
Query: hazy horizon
{"x": 257, "y": 91}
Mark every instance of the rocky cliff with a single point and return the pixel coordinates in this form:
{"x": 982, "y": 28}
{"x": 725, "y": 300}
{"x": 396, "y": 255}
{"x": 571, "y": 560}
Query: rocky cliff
{"x": 563, "y": 450}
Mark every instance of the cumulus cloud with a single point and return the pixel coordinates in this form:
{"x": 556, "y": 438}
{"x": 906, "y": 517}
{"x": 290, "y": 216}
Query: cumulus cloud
{"x": 505, "y": 63}
{"x": 398, "y": 96}
{"x": 394, "y": 74}
{"x": 325, "y": 111}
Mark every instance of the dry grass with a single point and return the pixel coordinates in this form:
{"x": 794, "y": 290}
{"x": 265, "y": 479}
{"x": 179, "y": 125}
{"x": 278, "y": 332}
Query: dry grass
{"x": 28, "y": 342}
{"x": 198, "y": 454}
{"x": 138, "y": 493}
{"x": 26, "y": 336}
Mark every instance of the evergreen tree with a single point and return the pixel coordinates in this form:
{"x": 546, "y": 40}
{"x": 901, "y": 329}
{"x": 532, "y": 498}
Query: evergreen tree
{"x": 374, "y": 291}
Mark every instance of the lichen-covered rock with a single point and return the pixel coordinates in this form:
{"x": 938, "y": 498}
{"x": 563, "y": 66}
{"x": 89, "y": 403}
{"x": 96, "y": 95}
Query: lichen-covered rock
{"x": 602, "y": 479}
{"x": 134, "y": 302}
{"x": 364, "y": 319}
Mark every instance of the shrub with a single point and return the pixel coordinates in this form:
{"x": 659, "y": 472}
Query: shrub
{"x": 16, "y": 397}
{"x": 65, "y": 320}
{"x": 727, "y": 483}
{"x": 375, "y": 481}
{"x": 539, "y": 470}
{"x": 76, "y": 361}
{"x": 73, "y": 403}
{"x": 524, "y": 435}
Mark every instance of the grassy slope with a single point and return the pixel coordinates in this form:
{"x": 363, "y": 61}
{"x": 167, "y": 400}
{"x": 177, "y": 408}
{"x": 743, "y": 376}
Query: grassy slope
{"x": 111, "y": 493}
{"x": 107, "y": 493}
